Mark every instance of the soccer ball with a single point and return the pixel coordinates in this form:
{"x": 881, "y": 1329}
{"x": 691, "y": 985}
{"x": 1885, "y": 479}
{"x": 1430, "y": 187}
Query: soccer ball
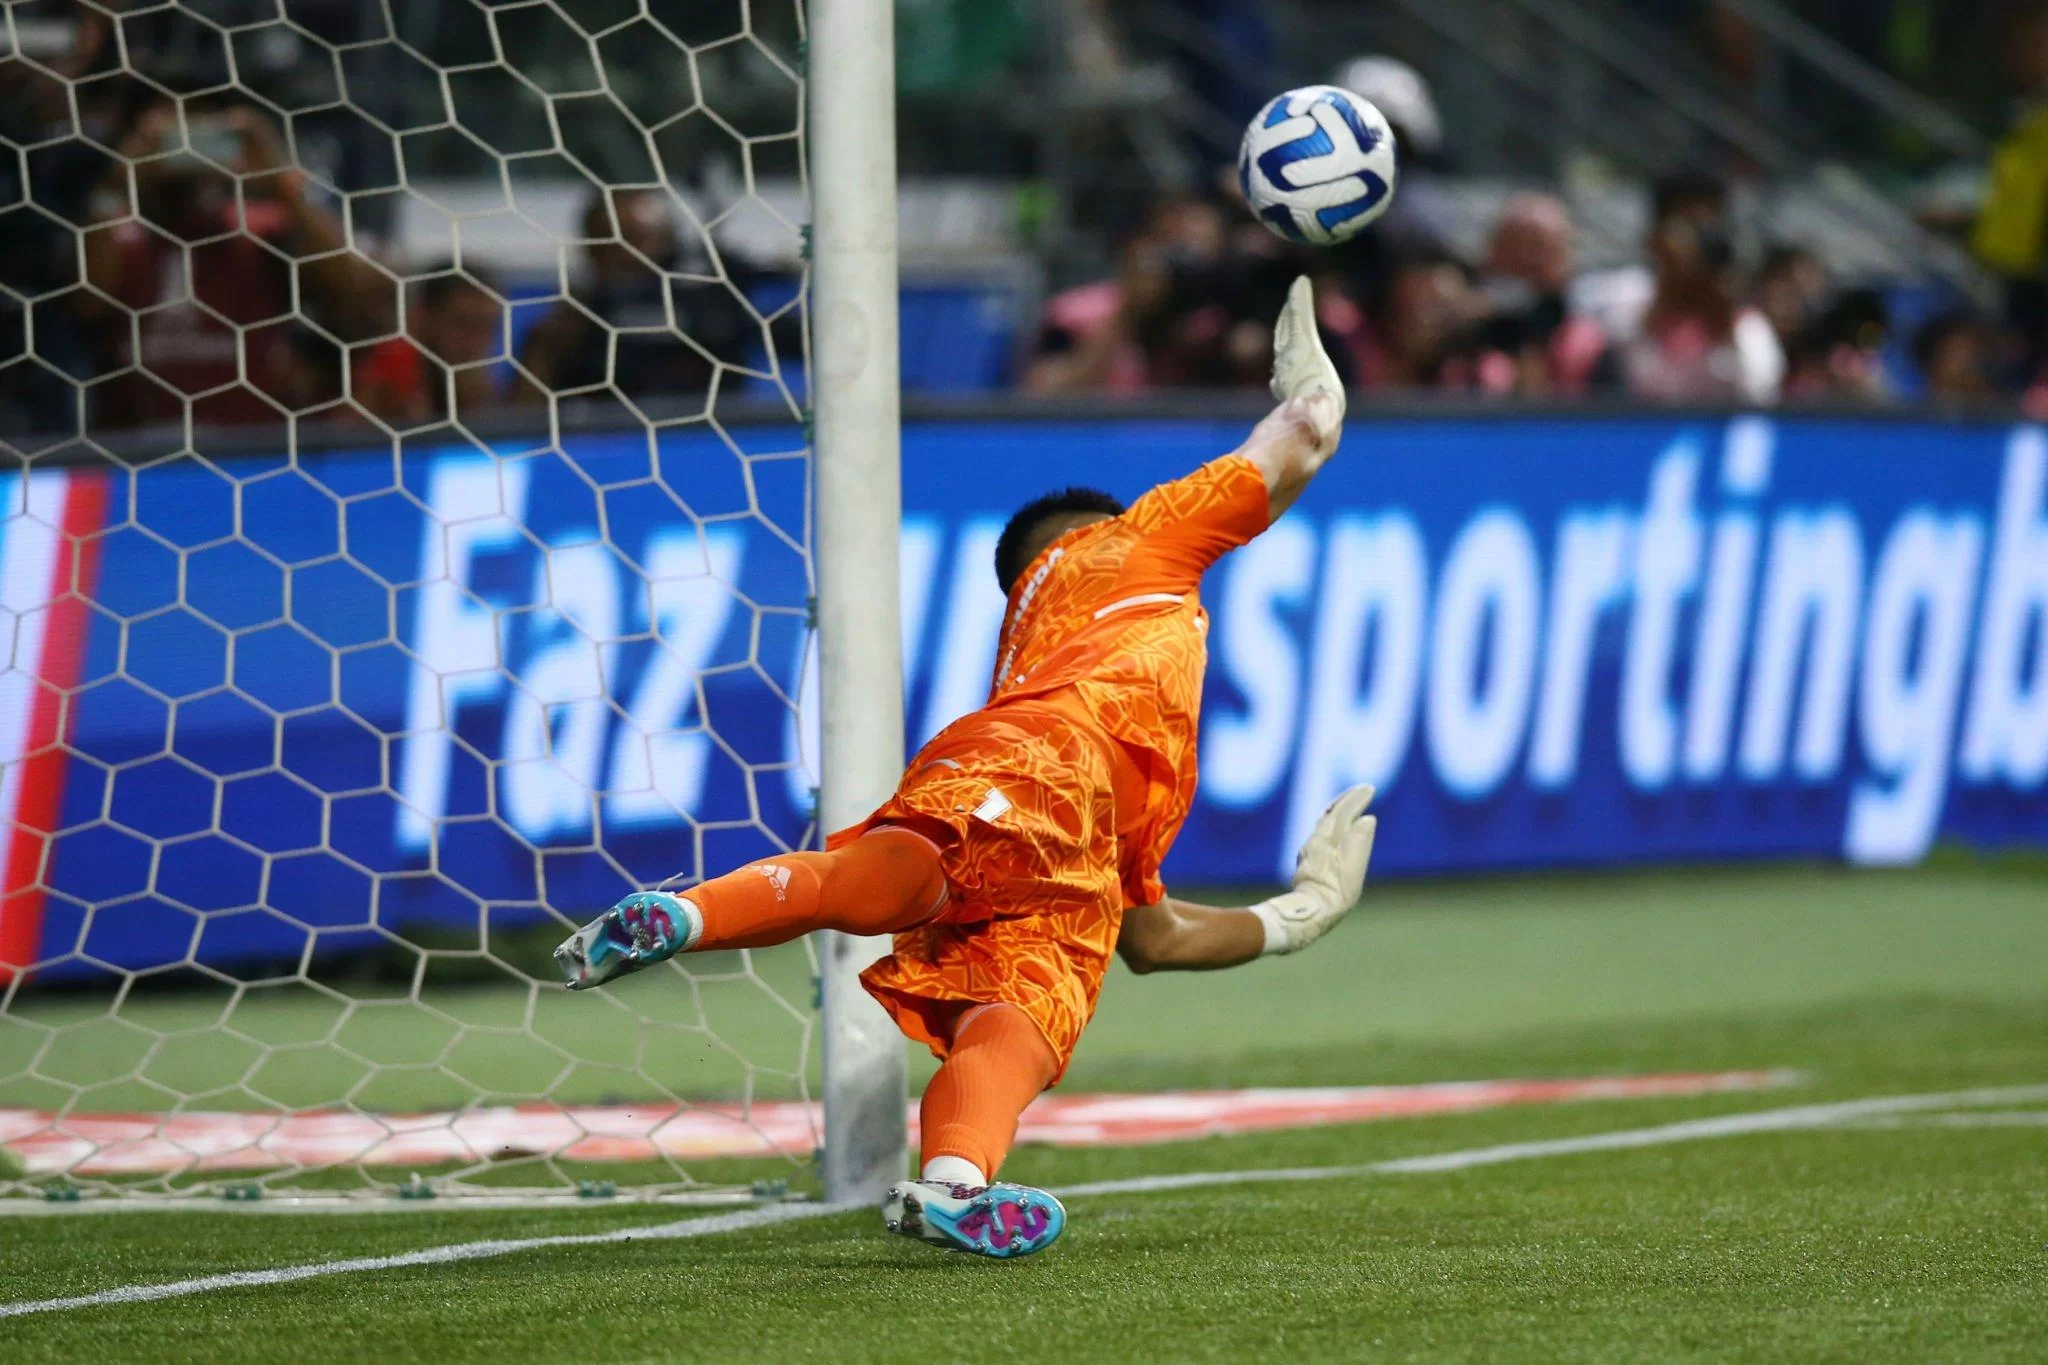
{"x": 1317, "y": 165}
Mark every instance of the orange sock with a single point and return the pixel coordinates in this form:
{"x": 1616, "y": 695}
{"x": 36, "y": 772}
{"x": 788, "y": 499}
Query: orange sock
{"x": 999, "y": 1063}
{"x": 885, "y": 881}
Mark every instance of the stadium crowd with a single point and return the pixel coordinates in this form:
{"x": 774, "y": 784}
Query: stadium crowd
{"x": 214, "y": 276}
{"x": 1706, "y": 313}
{"x": 1691, "y": 323}
{"x": 165, "y": 258}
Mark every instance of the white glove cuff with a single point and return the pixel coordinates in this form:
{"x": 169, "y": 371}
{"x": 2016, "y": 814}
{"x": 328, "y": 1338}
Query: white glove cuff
{"x": 1278, "y": 914}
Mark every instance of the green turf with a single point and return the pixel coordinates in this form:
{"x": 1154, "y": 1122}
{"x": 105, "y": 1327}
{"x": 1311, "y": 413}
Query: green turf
{"x": 1440, "y": 962}
{"x": 1907, "y": 1243}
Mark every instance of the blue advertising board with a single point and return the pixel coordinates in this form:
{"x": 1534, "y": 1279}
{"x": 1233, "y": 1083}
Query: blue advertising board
{"x": 264, "y": 707}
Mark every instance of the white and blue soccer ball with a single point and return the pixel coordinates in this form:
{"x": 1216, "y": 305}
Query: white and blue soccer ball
{"x": 1317, "y": 165}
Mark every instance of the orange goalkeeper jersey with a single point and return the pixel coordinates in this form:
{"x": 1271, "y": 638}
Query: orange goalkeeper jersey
{"x": 1106, "y": 622}
{"x": 1054, "y": 804}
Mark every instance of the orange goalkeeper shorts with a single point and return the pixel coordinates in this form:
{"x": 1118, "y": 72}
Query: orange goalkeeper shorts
{"x": 1021, "y": 800}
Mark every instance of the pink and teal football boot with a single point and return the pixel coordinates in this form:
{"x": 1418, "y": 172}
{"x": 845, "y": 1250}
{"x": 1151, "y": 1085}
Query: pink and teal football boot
{"x": 1000, "y": 1220}
{"x": 645, "y": 928}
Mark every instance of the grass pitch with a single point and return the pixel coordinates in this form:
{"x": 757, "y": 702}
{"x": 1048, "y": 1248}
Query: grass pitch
{"x": 1922, "y": 1239}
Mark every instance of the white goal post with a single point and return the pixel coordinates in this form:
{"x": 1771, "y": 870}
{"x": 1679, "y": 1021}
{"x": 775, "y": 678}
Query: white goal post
{"x": 857, "y": 474}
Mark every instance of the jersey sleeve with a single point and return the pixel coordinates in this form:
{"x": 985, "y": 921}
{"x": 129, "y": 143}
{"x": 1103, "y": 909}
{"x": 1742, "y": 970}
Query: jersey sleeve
{"x": 1188, "y": 524}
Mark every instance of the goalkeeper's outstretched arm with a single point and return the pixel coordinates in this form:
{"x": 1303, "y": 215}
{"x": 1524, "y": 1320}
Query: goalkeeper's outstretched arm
{"x": 1296, "y": 438}
{"x": 1329, "y": 875}
{"x": 1291, "y": 443}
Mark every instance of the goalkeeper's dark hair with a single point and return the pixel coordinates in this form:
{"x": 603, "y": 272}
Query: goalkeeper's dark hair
{"x": 1018, "y": 545}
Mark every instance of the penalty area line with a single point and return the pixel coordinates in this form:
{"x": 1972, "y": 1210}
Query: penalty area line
{"x": 1792, "y": 1119}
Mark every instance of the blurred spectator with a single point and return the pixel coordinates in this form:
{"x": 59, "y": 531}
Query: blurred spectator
{"x": 52, "y": 167}
{"x": 1953, "y": 353}
{"x": 209, "y": 276}
{"x": 1192, "y": 305}
{"x": 1397, "y": 90}
{"x": 2012, "y": 226}
{"x": 1696, "y": 341}
{"x": 1422, "y": 328}
{"x": 455, "y": 334}
{"x": 643, "y": 319}
{"x": 1421, "y": 220}
{"x": 1791, "y": 288}
{"x": 1840, "y": 356}
{"x": 1531, "y": 341}
{"x": 311, "y": 384}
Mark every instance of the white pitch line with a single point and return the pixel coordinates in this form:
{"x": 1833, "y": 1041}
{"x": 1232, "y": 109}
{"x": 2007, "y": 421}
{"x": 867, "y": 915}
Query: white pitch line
{"x": 2014, "y": 1118}
{"x": 1797, "y": 1117}
{"x": 442, "y": 1255}
{"x": 1692, "y": 1130}
{"x": 1731, "y": 1125}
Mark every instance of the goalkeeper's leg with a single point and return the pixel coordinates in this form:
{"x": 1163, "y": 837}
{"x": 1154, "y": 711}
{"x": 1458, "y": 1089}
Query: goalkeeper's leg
{"x": 997, "y": 1064}
{"x": 884, "y": 882}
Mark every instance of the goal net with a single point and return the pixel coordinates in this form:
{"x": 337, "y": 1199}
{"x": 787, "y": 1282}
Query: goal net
{"x": 405, "y": 551}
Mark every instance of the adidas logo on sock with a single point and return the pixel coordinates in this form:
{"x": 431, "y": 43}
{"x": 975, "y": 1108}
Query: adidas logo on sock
{"x": 778, "y": 875}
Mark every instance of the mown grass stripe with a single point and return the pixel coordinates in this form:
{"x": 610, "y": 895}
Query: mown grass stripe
{"x": 1791, "y": 1119}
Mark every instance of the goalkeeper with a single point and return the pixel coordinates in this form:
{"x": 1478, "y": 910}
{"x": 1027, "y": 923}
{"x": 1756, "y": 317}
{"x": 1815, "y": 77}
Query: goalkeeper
{"x": 1013, "y": 845}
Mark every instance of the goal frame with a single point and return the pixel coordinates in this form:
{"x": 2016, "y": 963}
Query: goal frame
{"x": 857, "y": 484}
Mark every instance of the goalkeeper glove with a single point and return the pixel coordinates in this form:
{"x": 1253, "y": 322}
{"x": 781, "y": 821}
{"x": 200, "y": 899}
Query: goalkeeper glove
{"x": 1329, "y": 875}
